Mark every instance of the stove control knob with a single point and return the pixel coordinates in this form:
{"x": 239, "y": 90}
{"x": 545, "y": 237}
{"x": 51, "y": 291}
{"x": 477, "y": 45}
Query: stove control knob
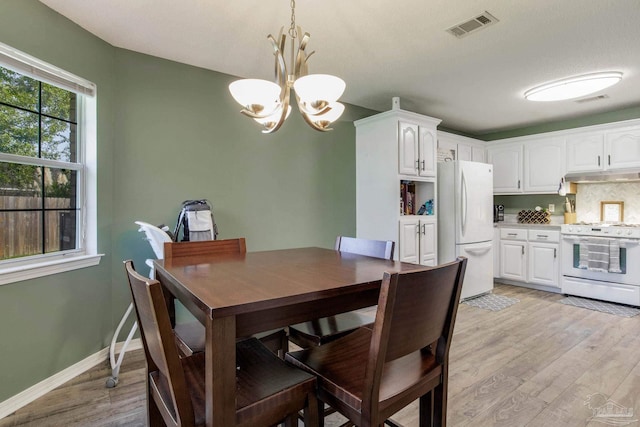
{"x": 618, "y": 232}
{"x": 629, "y": 232}
{"x": 570, "y": 229}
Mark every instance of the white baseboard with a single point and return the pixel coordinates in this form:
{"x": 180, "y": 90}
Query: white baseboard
{"x": 27, "y": 396}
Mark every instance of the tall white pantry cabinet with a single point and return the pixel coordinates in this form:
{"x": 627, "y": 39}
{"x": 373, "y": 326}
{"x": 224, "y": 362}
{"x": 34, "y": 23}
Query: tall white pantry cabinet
{"x": 393, "y": 147}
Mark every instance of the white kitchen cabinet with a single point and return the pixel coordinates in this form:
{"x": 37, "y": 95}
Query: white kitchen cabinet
{"x": 544, "y": 164}
{"x": 585, "y": 152}
{"x": 387, "y": 147}
{"x": 544, "y": 257}
{"x": 513, "y": 260}
{"x": 623, "y": 149}
{"x": 417, "y": 149}
{"x": 464, "y": 148}
{"x": 507, "y": 168}
{"x": 513, "y": 257}
{"x": 418, "y": 240}
{"x": 604, "y": 150}
{"x": 530, "y": 255}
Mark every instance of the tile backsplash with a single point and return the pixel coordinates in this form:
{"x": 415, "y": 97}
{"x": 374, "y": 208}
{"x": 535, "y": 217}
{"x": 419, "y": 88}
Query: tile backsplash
{"x": 590, "y": 195}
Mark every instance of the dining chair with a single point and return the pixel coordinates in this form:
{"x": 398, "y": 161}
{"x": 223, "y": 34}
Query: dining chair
{"x": 268, "y": 390}
{"x": 326, "y": 329}
{"x": 371, "y": 374}
{"x": 190, "y": 336}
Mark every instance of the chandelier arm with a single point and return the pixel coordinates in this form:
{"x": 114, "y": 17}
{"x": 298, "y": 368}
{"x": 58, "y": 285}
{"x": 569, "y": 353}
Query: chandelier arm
{"x": 270, "y": 128}
{"x": 254, "y": 115}
{"x": 325, "y": 107}
{"x": 280, "y": 64}
{"x": 300, "y": 69}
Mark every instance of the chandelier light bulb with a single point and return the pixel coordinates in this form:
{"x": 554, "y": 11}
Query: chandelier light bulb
{"x": 319, "y": 87}
{"x": 573, "y": 87}
{"x": 271, "y": 119}
{"x": 258, "y": 96}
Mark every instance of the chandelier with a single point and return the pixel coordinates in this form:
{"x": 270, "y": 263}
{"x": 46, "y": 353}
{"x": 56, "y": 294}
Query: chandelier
{"x": 268, "y": 103}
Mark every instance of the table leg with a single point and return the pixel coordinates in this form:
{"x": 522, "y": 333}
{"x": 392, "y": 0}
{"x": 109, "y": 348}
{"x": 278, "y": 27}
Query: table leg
{"x": 220, "y": 369}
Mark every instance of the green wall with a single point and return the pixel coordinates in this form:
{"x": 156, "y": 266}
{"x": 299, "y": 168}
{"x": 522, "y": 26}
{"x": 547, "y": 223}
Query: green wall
{"x": 166, "y": 132}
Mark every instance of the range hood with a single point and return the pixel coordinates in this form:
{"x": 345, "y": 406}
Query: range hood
{"x": 603, "y": 176}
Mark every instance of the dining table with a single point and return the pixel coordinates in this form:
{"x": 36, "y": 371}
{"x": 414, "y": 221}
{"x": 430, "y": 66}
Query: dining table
{"x": 237, "y": 295}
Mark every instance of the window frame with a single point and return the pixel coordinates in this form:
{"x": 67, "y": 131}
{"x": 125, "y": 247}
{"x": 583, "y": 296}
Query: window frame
{"x": 86, "y": 254}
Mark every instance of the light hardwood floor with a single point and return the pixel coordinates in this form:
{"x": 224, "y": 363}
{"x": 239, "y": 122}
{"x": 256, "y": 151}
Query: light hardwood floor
{"x": 536, "y": 363}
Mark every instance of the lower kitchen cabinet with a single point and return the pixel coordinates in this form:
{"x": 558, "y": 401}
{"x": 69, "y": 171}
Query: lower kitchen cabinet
{"x": 418, "y": 237}
{"x": 530, "y": 256}
{"x": 513, "y": 260}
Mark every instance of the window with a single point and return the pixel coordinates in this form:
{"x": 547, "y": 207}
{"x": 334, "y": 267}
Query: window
{"x": 47, "y": 169}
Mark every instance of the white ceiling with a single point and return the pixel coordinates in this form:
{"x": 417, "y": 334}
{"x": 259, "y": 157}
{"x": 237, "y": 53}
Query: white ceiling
{"x": 385, "y": 48}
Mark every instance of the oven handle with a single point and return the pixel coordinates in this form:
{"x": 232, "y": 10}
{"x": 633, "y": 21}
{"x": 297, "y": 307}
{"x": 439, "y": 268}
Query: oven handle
{"x": 625, "y": 243}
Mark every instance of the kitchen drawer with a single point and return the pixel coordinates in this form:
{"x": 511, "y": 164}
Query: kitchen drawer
{"x": 513, "y": 234}
{"x": 544, "y": 236}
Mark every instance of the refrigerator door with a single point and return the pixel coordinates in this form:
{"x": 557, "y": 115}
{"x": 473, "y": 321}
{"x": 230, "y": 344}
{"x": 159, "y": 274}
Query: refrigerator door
{"x": 478, "y": 278}
{"x": 474, "y": 200}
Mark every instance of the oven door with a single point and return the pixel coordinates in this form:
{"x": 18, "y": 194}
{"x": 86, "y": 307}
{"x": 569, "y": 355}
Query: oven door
{"x": 629, "y": 266}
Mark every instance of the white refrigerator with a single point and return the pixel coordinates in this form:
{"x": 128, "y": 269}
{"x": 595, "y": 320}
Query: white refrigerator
{"x": 465, "y": 221}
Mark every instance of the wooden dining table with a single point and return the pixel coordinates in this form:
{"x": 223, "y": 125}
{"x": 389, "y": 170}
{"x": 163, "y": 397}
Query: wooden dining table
{"x": 237, "y": 295}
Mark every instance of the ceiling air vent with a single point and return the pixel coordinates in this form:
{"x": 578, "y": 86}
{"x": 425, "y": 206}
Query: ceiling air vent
{"x": 591, "y": 99}
{"x": 473, "y": 25}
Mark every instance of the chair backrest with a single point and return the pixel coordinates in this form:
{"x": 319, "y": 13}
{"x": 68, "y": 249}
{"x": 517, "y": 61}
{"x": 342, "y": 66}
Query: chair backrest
{"x": 155, "y": 236}
{"x": 163, "y": 362}
{"x": 415, "y": 310}
{"x": 173, "y": 250}
{"x": 373, "y": 248}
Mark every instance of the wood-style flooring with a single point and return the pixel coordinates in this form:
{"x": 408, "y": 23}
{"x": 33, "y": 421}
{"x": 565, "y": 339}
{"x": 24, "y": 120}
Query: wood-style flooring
{"x": 535, "y": 363}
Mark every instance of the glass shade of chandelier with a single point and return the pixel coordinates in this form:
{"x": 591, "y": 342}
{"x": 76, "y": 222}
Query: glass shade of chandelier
{"x": 268, "y": 103}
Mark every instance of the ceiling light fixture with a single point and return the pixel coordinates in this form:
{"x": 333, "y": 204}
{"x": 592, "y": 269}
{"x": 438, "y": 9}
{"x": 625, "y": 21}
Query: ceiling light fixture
{"x": 316, "y": 94}
{"x": 573, "y": 87}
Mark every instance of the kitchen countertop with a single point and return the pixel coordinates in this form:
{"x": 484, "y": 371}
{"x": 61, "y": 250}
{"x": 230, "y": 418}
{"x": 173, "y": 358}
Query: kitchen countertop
{"x": 503, "y": 224}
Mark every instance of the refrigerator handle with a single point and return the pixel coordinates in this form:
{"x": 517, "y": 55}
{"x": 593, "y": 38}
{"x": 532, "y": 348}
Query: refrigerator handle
{"x": 463, "y": 203}
{"x": 479, "y": 250}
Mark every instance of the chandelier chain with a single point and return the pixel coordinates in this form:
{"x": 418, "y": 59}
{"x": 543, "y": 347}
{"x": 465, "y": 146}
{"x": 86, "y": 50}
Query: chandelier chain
{"x": 292, "y": 29}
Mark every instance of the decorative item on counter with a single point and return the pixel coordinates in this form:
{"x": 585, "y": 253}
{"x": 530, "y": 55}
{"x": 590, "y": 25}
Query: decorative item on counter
{"x": 538, "y": 216}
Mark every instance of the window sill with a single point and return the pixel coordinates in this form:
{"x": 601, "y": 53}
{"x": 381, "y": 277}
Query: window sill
{"x": 46, "y": 268}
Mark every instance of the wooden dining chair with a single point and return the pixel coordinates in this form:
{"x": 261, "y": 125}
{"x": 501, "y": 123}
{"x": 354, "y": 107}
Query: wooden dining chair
{"x": 268, "y": 390}
{"x": 326, "y": 329}
{"x": 190, "y": 336}
{"x": 372, "y": 373}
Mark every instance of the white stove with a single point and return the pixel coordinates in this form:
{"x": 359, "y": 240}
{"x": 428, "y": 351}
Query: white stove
{"x": 602, "y": 261}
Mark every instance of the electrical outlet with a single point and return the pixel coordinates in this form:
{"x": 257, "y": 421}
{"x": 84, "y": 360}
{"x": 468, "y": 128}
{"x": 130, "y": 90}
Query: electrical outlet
{"x": 552, "y": 207}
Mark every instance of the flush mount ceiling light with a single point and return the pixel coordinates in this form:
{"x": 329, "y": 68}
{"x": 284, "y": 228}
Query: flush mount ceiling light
{"x": 573, "y": 87}
{"x": 316, "y": 94}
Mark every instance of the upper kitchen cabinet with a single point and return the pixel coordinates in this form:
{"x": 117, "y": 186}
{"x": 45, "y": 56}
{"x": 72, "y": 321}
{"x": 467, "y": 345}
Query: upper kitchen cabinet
{"x": 417, "y": 149}
{"x": 544, "y": 164}
{"x": 507, "y": 168}
{"x": 623, "y": 148}
{"x": 604, "y": 150}
{"x": 457, "y": 147}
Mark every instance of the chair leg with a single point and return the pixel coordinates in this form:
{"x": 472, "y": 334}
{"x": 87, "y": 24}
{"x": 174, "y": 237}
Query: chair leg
{"x": 426, "y": 410}
{"x": 440, "y": 406}
{"x": 312, "y": 416}
{"x": 153, "y": 413}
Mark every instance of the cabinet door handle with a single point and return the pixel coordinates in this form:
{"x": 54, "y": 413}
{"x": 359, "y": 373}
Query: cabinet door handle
{"x": 417, "y": 228}
{"x": 424, "y": 230}
{"x": 518, "y": 184}
{"x": 609, "y": 159}
{"x": 598, "y": 160}
{"x": 554, "y": 252}
{"x": 522, "y": 250}
{"x": 512, "y": 234}
{"x": 423, "y": 167}
{"x": 542, "y": 236}
{"x": 418, "y": 164}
